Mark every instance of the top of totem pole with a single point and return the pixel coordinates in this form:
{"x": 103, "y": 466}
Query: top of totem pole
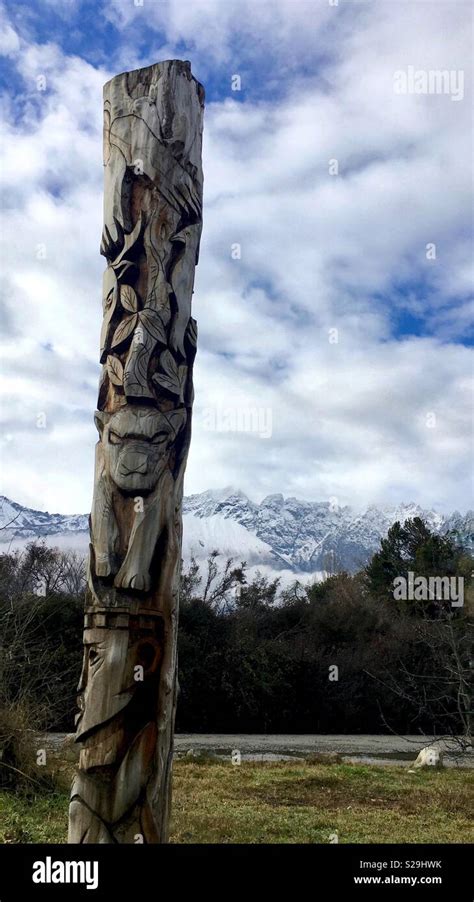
{"x": 153, "y": 121}
{"x": 153, "y": 73}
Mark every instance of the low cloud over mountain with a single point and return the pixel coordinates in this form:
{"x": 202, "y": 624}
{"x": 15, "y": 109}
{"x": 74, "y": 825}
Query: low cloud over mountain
{"x": 284, "y": 535}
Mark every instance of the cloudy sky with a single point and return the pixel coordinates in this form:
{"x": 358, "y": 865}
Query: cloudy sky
{"x": 341, "y": 333}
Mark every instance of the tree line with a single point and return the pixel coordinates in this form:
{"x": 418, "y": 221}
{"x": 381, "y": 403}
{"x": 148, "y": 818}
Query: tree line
{"x": 338, "y": 656}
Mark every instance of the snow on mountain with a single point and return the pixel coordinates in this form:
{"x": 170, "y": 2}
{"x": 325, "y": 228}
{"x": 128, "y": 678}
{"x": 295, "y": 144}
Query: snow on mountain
{"x": 16, "y": 520}
{"x": 202, "y": 535}
{"x": 462, "y": 527}
{"x": 283, "y": 535}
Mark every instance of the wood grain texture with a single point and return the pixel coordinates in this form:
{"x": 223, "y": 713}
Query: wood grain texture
{"x": 152, "y": 225}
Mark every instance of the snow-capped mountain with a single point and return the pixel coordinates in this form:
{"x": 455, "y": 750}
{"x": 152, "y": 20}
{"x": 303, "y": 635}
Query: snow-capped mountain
{"x": 18, "y": 521}
{"x": 279, "y": 534}
{"x": 306, "y": 536}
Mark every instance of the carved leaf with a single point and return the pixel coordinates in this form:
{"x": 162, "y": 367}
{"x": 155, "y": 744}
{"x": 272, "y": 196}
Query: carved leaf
{"x": 124, "y": 330}
{"x": 115, "y": 370}
{"x": 135, "y": 380}
{"x": 170, "y": 378}
{"x": 182, "y": 374}
{"x": 128, "y": 298}
{"x": 168, "y": 364}
{"x": 152, "y": 322}
{"x": 164, "y": 382}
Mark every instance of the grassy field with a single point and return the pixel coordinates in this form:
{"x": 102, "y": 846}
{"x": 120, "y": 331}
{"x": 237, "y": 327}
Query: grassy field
{"x": 216, "y": 802}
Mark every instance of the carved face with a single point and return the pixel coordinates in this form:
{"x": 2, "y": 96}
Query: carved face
{"x": 137, "y": 443}
{"x": 114, "y": 666}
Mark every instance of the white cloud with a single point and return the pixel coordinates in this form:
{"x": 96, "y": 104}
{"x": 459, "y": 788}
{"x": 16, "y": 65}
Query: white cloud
{"x": 319, "y": 253}
{"x": 221, "y": 32}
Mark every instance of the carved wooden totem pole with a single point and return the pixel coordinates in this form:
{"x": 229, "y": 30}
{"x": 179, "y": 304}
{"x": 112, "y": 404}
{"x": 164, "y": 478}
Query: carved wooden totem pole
{"x": 152, "y": 226}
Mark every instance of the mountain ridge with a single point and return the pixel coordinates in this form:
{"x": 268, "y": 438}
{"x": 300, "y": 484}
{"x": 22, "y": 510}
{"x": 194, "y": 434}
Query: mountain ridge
{"x": 278, "y": 533}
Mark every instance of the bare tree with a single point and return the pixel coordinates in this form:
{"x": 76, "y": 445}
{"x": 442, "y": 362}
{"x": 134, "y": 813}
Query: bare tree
{"x": 438, "y": 689}
{"x": 219, "y": 586}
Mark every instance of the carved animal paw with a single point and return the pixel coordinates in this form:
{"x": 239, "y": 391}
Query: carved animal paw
{"x": 138, "y": 581}
{"x": 103, "y": 567}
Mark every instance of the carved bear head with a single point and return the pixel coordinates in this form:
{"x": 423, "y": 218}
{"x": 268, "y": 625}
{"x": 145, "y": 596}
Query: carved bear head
{"x": 137, "y": 442}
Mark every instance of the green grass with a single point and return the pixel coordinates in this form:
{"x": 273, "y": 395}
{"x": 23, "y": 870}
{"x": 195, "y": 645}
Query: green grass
{"x": 33, "y": 819}
{"x": 216, "y": 802}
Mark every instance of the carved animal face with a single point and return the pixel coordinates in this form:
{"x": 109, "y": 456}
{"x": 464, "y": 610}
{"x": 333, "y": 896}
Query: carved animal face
{"x": 137, "y": 442}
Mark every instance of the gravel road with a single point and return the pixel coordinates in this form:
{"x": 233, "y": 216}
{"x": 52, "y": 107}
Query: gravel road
{"x": 385, "y": 749}
{"x": 367, "y": 749}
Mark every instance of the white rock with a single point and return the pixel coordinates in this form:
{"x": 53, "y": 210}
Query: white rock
{"x": 431, "y": 756}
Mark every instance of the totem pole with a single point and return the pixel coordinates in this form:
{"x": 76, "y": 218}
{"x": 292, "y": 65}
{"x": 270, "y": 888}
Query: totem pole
{"x": 152, "y": 226}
